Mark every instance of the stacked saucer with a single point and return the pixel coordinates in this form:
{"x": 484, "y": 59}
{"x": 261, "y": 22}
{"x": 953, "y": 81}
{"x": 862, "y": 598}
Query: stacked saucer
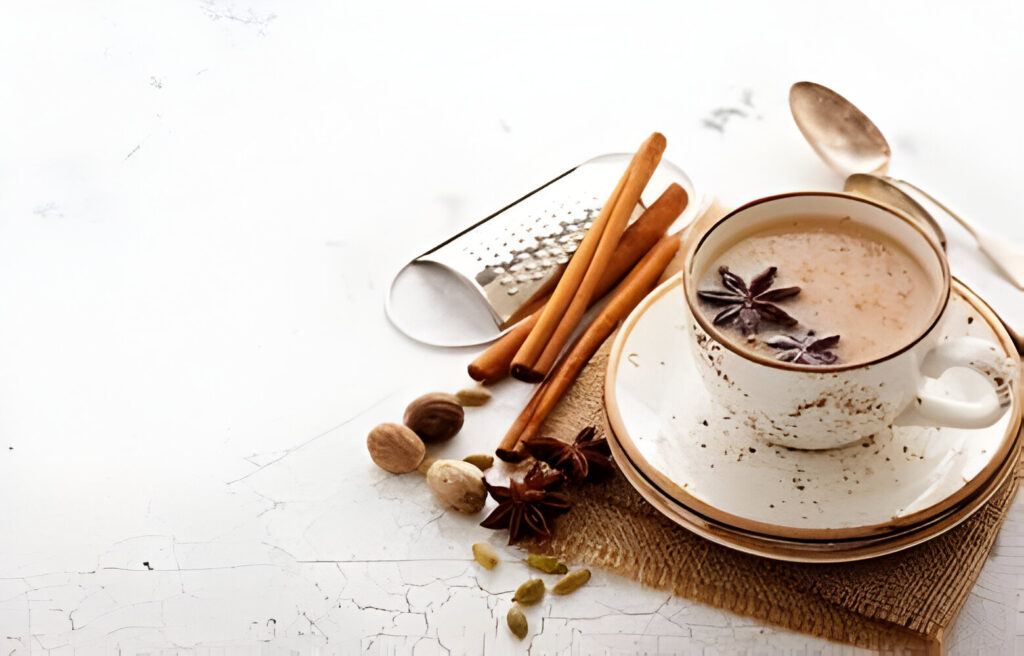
{"x": 708, "y": 472}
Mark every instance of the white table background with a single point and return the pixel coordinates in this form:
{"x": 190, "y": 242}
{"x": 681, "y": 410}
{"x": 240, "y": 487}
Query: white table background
{"x": 202, "y": 203}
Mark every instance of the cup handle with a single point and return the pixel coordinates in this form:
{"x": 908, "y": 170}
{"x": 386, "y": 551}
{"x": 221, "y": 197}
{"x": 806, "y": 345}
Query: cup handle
{"x": 981, "y": 356}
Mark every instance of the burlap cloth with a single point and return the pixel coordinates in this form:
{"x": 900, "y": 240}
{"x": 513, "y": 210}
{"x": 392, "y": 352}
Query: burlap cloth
{"x": 903, "y": 601}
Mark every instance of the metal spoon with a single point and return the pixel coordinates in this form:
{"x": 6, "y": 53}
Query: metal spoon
{"x": 1008, "y": 257}
{"x": 839, "y": 132}
{"x": 850, "y": 143}
{"x": 882, "y": 189}
{"x": 846, "y": 139}
{"x": 886, "y": 190}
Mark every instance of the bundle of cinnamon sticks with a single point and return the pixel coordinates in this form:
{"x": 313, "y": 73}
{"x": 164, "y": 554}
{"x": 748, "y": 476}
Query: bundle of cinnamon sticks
{"x": 531, "y": 350}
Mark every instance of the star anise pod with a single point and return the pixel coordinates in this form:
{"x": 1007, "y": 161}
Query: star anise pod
{"x": 748, "y": 305}
{"x": 808, "y": 350}
{"x": 583, "y": 457}
{"x": 525, "y": 507}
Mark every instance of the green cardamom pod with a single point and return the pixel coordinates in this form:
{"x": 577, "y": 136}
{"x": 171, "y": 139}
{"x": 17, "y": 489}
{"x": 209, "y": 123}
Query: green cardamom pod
{"x": 485, "y": 555}
{"x": 546, "y": 564}
{"x": 571, "y": 582}
{"x": 481, "y": 461}
{"x": 530, "y": 592}
{"x": 473, "y": 396}
{"x": 517, "y": 621}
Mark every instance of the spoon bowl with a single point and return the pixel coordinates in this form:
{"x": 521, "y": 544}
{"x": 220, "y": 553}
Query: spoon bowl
{"x": 882, "y": 190}
{"x": 840, "y": 133}
{"x": 851, "y": 144}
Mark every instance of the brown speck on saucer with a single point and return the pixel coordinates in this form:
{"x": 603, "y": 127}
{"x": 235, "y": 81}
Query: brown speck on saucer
{"x": 739, "y": 484}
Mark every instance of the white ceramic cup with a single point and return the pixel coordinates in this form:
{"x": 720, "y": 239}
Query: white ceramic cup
{"x": 813, "y": 407}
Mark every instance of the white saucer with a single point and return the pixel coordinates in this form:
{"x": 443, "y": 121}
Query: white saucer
{"x": 698, "y": 456}
{"x": 812, "y": 551}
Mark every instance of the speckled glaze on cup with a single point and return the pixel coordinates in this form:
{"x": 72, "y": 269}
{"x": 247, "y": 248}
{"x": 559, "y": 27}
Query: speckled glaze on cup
{"x": 815, "y": 407}
{"x": 665, "y": 424}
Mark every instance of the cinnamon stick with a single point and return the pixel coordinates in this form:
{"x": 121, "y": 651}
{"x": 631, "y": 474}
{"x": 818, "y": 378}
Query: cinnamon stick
{"x": 568, "y": 284}
{"x": 493, "y": 364}
{"x": 566, "y": 315}
{"x": 626, "y": 296}
{"x": 641, "y": 236}
{"x": 507, "y": 450}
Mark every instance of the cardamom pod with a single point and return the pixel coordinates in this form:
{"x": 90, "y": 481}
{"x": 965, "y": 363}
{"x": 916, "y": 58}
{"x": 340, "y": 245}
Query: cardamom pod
{"x": 571, "y": 582}
{"x": 546, "y": 564}
{"x": 530, "y": 592}
{"x": 472, "y": 396}
{"x": 485, "y": 555}
{"x": 517, "y": 621}
{"x": 482, "y": 461}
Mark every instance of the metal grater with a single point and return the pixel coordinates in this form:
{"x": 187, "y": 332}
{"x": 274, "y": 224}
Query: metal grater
{"x": 514, "y": 256}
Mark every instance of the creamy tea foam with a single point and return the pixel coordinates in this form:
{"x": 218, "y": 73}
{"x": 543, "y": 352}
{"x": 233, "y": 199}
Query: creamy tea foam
{"x": 853, "y": 282}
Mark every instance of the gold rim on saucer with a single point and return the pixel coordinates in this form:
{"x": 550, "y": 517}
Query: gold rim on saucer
{"x": 954, "y": 506}
{"x": 812, "y": 551}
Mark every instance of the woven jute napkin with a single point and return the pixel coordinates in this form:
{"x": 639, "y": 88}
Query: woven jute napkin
{"x": 904, "y": 601}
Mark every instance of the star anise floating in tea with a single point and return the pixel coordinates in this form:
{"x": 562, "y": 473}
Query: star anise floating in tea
{"x": 526, "y": 507}
{"x": 747, "y": 305}
{"x": 584, "y": 457}
{"x": 808, "y": 350}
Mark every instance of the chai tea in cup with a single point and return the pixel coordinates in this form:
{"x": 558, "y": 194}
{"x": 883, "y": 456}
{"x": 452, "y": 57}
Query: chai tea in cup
{"x": 835, "y": 279}
{"x": 817, "y": 318}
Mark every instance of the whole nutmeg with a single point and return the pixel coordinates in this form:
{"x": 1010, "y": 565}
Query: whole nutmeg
{"x": 457, "y": 485}
{"x": 395, "y": 448}
{"x": 435, "y": 417}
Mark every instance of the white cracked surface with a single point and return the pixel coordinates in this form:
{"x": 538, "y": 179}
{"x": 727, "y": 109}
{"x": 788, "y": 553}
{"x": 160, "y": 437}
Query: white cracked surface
{"x": 201, "y": 204}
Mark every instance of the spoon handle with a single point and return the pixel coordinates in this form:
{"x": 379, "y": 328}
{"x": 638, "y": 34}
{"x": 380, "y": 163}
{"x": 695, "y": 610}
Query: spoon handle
{"x": 1015, "y": 336}
{"x": 967, "y": 226}
{"x": 1005, "y": 255}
